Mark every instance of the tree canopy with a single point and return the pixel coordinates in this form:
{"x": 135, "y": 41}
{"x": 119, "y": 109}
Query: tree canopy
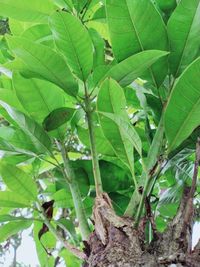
{"x": 99, "y": 126}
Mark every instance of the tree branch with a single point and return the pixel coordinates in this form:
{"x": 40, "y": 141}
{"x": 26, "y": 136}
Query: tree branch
{"x": 95, "y": 162}
{"x": 75, "y": 251}
{"x": 76, "y": 195}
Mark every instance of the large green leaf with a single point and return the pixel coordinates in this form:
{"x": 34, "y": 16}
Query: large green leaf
{"x": 73, "y": 40}
{"x": 182, "y": 114}
{"x": 18, "y": 181}
{"x": 9, "y": 96}
{"x": 7, "y": 147}
{"x": 38, "y": 97}
{"x": 131, "y": 68}
{"x": 111, "y": 99}
{"x": 44, "y": 63}
{"x": 99, "y": 46}
{"x": 13, "y": 200}
{"x": 184, "y": 35}
{"x": 39, "y": 33}
{"x": 127, "y": 130}
{"x": 137, "y": 27}
{"x": 44, "y": 258}
{"x": 57, "y": 118}
{"x": 38, "y": 136}
{"x": 15, "y": 139}
{"x": 24, "y": 10}
{"x": 9, "y": 218}
{"x": 102, "y": 144}
{"x": 12, "y": 228}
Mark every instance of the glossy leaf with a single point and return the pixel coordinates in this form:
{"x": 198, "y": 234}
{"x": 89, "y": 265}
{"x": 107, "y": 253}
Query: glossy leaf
{"x": 57, "y": 118}
{"x": 182, "y": 114}
{"x": 39, "y": 33}
{"x": 184, "y": 35}
{"x": 137, "y": 27}
{"x": 18, "y": 181}
{"x": 12, "y": 228}
{"x": 9, "y": 96}
{"x": 23, "y": 10}
{"x": 44, "y": 258}
{"x": 111, "y": 99}
{"x": 45, "y": 96}
{"x": 13, "y": 200}
{"x": 127, "y": 130}
{"x": 102, "y": 144}
{"x": 38, "y": 136}
{"x": 44, "y": 63}
{"x": 12, "y": 139}
{"x": 98, "y": 43}
{"x": 133, "y": 67}
{"x": 9, "y": 218}
{"x": 7, "y": 147}
{"x": 73, "y": 40}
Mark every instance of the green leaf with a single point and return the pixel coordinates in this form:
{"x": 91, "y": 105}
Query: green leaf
{"x": 48, "y": 240}
{"x": 137, "y": 27}
{"x": 38, "y": 136}
{"x": 73, "y": 40}
{"x": 13, "y": 200}
{"x": 122, "y": 180}
{"x": 184, "y": 35}
{"x": 39, "y": 33}
{"x": 23, "y": 10}
{"x": 43, "y": 62}
{"x": 44, "y": 258}
{"x": 99, "y": 46}
{"x": 9, "y": 96}
{"x": 182, "y": 113}
{"x": 57, "y": 118}
{"x": 69, "y": 258}
{"x": 9, "y": 218}
{"x": 64, "y": 4}
{"x": 44, "y": 96}
{"x": 111, "y": 99}
{"x": 133, "y": 67}
{"x": 127, "y": 130}
{"x": 63, "y": 199}
{"x": 18, "y": 181}
{"x": 6, "y": 146}
{"x": 12, "y": 228}
{"x": 102, "y": 144}
{"x": 16, "y": 139}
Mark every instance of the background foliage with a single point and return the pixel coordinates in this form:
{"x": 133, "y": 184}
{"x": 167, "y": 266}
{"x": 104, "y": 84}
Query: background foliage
{"x": 82, "y": 81}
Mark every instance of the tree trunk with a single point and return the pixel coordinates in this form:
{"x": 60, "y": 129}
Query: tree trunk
{"x": 115, "y": 242}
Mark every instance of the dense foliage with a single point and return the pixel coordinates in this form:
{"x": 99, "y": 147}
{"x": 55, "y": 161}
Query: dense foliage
{"x": 96, "y": 96}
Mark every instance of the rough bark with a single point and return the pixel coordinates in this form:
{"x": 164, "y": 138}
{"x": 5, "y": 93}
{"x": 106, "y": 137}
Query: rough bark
{"x": 115, "y": 242}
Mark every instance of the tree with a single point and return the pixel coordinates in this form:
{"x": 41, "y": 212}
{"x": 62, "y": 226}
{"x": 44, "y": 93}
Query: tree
{"x": 100, "y": 106}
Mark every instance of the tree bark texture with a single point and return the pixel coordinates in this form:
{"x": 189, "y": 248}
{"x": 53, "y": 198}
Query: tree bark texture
{"x": 116, "y": 243}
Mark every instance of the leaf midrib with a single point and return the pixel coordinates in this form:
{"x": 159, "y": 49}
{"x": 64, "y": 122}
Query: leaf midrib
{"x": 184, "y": 123}
{"x": 20, "y": 182}
{"x": 45, "y": 66}
{"x": 74, "y": 49}
{"x": 186, "y": 42}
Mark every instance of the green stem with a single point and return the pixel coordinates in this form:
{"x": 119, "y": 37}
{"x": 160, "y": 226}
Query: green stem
{"x": 75, "y": 251}
{"x": 146, "y": 176}
{"x": 95, "y": 161}
{"x": 152, "y": 159}
{"x": 76, "y": 195}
